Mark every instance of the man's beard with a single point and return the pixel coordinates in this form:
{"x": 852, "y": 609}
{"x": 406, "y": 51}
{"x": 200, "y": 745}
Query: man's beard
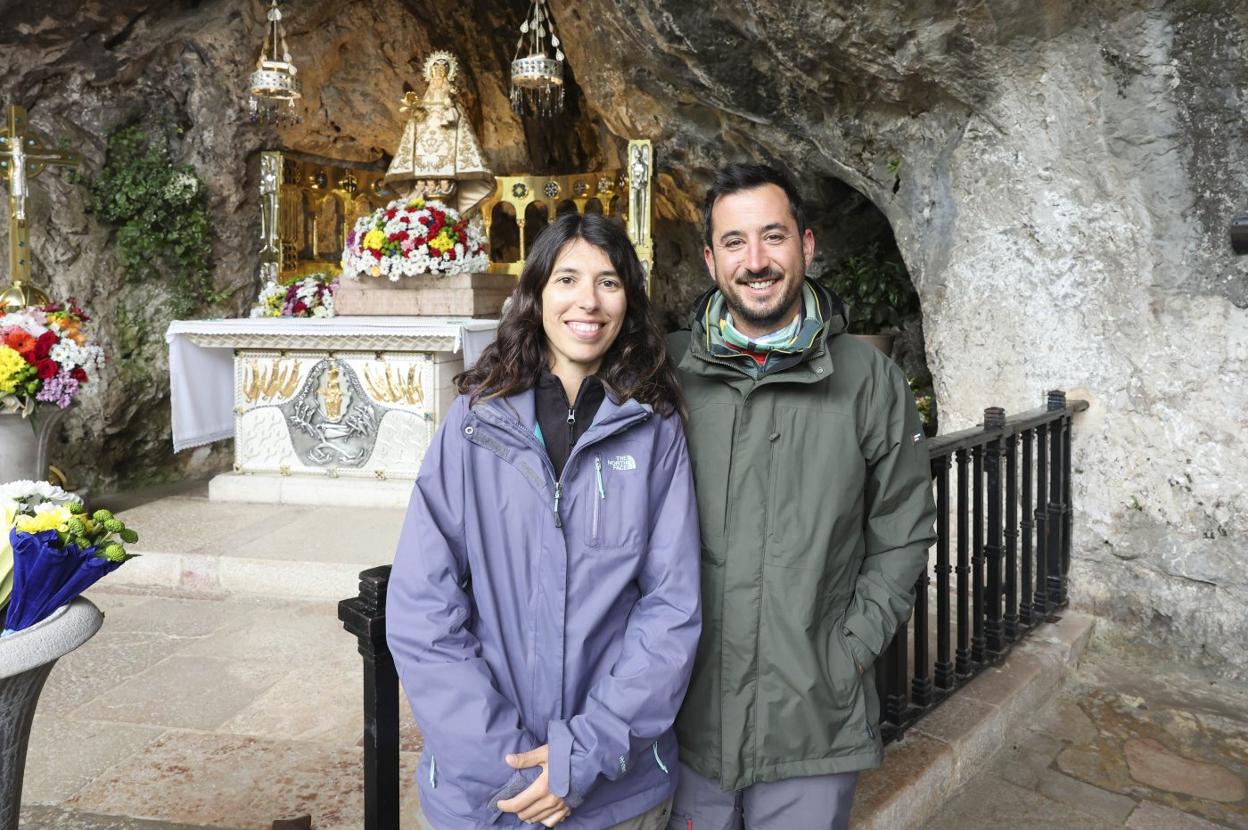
{"x": 768, "y": 319}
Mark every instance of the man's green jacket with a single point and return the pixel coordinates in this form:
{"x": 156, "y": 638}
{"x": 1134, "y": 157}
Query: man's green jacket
{"x": 814, "y": 495}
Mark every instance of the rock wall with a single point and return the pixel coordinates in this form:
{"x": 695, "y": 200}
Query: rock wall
{"x": 1058, "y": 177}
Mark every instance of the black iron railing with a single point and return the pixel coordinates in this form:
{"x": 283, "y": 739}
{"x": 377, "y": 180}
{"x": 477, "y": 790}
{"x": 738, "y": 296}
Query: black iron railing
{"x": 1000, "y": 572}
{"x": 1000, "y": 569}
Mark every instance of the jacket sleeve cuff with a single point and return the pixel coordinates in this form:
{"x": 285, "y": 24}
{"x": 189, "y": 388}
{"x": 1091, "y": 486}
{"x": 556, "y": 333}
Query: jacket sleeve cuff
{"x": 862, "y": 655}
{"x": 559, "y": 739}
{"x": 515, "y": 785}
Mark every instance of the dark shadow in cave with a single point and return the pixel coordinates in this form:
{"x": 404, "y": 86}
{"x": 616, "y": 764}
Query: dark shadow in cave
{"x": 856, "y": 255}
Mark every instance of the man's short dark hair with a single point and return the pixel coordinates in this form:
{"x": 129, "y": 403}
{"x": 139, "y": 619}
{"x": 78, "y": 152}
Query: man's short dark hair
{"x": 734, "y": 178}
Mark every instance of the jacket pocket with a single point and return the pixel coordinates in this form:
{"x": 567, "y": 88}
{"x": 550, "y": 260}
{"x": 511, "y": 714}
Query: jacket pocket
{"x": 710, "y": 435}
{"x": 816, "y": 489}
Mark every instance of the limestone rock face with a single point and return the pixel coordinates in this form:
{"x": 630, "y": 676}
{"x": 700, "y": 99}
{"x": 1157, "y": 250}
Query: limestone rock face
{"x": 1058, "y": 176}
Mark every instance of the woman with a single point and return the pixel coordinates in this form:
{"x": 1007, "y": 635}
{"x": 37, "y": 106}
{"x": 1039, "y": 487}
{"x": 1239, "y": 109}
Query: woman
{"x": 543, "y": 609}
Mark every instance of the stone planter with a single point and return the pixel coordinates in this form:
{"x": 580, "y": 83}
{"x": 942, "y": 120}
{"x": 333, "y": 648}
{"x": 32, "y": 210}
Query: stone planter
{"x": 23, "y": 448}
{"x": 461, "y": 295}
{"x": 883, "y": 342}
{"x": 26, "y": 658}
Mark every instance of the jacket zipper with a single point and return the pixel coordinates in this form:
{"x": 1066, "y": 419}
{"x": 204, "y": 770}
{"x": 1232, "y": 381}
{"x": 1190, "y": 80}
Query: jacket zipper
{"x": 602, "y": 495}
{"x": 531, "y": 440}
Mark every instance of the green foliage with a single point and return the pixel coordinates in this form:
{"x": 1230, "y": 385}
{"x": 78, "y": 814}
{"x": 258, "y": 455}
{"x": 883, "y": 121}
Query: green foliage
{"x": 924, "y": 400}
{"x": 876, "y": 287}
{"x": 161, "y": 212}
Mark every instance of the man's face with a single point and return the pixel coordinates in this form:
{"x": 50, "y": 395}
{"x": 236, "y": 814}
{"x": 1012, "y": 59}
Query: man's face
{"x": 758, "y": 258}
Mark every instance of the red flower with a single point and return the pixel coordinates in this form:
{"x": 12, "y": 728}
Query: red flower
{"x": 44, "y": 345}
{"x": 78, "y": 374}
{"x": 376, "y": 253}
{"x": 300, "y": 307}
{"x": 47, "y": 368}
{"x": 405, "y": 219}
{"x": 21, "y": 342}
{"x": 390, "y": 214}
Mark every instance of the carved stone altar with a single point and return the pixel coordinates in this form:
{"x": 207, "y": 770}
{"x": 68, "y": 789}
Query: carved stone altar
{"x": 325, "y": 411}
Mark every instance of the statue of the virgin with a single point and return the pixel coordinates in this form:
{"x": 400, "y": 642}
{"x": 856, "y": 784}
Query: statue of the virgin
{"x": 438, "y": 156}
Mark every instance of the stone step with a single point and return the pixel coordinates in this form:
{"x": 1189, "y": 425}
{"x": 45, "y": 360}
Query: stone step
{"x": 190, "y": 544}
{"x": 952, "y": 743}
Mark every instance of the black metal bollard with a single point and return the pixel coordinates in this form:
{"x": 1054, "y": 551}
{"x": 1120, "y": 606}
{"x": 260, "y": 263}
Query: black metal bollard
{"x": 365, "y": 617}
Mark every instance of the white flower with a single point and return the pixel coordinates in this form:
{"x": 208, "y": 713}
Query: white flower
{"x": 22, "y": 321}
{"x": 34, "y": 492}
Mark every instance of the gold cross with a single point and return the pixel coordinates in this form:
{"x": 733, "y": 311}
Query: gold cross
{"x": 23, "y": 158}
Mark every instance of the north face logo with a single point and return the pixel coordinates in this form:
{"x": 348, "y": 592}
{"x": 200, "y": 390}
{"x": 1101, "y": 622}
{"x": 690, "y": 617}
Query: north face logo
{"x": 622, "y": 462}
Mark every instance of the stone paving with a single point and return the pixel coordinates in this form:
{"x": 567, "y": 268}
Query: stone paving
{"x": 1133, "y": 740}
{"x": 188, "y": 712}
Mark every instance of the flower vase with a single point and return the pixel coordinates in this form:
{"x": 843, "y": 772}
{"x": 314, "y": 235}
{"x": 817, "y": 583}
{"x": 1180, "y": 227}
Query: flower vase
{"x": 26, "y": 659}
{"x": 24, "y": 443}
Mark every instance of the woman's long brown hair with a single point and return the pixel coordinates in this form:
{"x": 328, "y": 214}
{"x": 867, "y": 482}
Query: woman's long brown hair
{"x": 635, "y": 367}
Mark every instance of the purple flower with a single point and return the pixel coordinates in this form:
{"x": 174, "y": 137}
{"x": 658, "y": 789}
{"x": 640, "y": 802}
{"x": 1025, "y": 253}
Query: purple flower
{"x": 59, "y": 389}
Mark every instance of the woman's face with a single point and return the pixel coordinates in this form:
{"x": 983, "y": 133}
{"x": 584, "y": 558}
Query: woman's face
{"x": 583, "y": 307}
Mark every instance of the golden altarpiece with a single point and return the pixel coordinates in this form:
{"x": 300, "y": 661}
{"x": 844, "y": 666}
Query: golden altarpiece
{"x": 340, "y": 410}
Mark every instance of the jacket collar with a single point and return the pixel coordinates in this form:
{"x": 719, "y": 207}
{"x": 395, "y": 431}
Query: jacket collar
{"x": 518, "y": 413}
{"x": 815, "y": 365}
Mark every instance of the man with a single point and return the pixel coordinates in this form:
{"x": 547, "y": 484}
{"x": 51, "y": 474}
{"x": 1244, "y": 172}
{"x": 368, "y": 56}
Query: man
{"x": 814, "y": 496}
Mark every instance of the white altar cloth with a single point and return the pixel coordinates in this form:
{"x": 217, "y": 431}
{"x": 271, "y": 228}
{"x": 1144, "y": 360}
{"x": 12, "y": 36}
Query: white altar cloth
{"x": 201, "y": 357}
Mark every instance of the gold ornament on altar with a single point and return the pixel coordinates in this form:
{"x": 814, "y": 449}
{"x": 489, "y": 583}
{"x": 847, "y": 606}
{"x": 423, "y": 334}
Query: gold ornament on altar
{"x": 536, "y": 77}
{"x": 274, "y": 85}
{"x": 438, "y": 156}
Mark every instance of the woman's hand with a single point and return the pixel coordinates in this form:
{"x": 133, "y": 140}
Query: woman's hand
{"x": 536, "y": 803}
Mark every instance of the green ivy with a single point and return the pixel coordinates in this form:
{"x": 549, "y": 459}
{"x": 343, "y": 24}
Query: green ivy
{"x": 876, "y": 287}
{"x": 161, "y": 212}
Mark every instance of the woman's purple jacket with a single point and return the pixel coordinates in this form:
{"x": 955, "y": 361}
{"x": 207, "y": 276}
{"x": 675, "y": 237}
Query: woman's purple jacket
{"x": 524, "y": 610}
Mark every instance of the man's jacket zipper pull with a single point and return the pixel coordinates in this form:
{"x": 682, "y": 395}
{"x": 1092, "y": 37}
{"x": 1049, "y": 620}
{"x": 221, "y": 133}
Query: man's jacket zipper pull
{"x": 558, "y": 490}
{"x": 602, "y": 494}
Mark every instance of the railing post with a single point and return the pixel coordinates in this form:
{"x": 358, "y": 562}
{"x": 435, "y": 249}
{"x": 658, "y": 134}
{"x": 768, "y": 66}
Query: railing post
{"x": 945, "y": 678}
{"x": 896, "y": 657}
{"x": 921, "y": 684}
{"x": 994, "y": 421}
{"x": 1067, "y": 501}
{"x": 963, "y": 656}
{"x": 977, "y": 555}
{"x": 1028, "y": 526}
{"x": 1041, "y": 596}
{"x": 1057, "y": 503}
{"x": 365, "y": 617}
{"x": 1011, "y": 537}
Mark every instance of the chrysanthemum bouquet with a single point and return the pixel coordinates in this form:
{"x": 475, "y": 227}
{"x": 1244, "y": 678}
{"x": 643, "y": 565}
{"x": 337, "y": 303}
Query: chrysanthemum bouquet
{"x": 312, "y": 296}
{"x": 52, "y": 550}
{"x": 45, "y": 356}
{"x": 414, "y": 237}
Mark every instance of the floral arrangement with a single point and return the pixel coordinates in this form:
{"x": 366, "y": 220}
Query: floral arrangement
{"x": 45, "y": 356}
{"x": 52, "y": 550}
{"x": 312, "y": 296}
{"x": 413, "y": 237}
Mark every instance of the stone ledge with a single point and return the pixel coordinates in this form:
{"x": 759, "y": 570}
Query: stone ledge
{"x": 958, "y": 738}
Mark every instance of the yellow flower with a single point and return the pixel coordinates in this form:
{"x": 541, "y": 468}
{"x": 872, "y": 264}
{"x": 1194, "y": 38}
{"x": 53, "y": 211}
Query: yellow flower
{"x": 442, "y": 242}
{"x": 12, "y": 367}
{"x": 374, "y": 238}
{"x": 8, "y": 512}
{"x": 53, "y": 518}
{"x": 415, "y": 204}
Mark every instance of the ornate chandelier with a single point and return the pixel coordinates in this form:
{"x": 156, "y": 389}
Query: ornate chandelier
{"x": 274, "y": 85}
{"x": 537, "y": 78}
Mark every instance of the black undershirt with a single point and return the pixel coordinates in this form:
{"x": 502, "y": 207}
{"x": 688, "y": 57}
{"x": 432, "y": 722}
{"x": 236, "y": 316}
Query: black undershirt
{"x": 563, "y": 422}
